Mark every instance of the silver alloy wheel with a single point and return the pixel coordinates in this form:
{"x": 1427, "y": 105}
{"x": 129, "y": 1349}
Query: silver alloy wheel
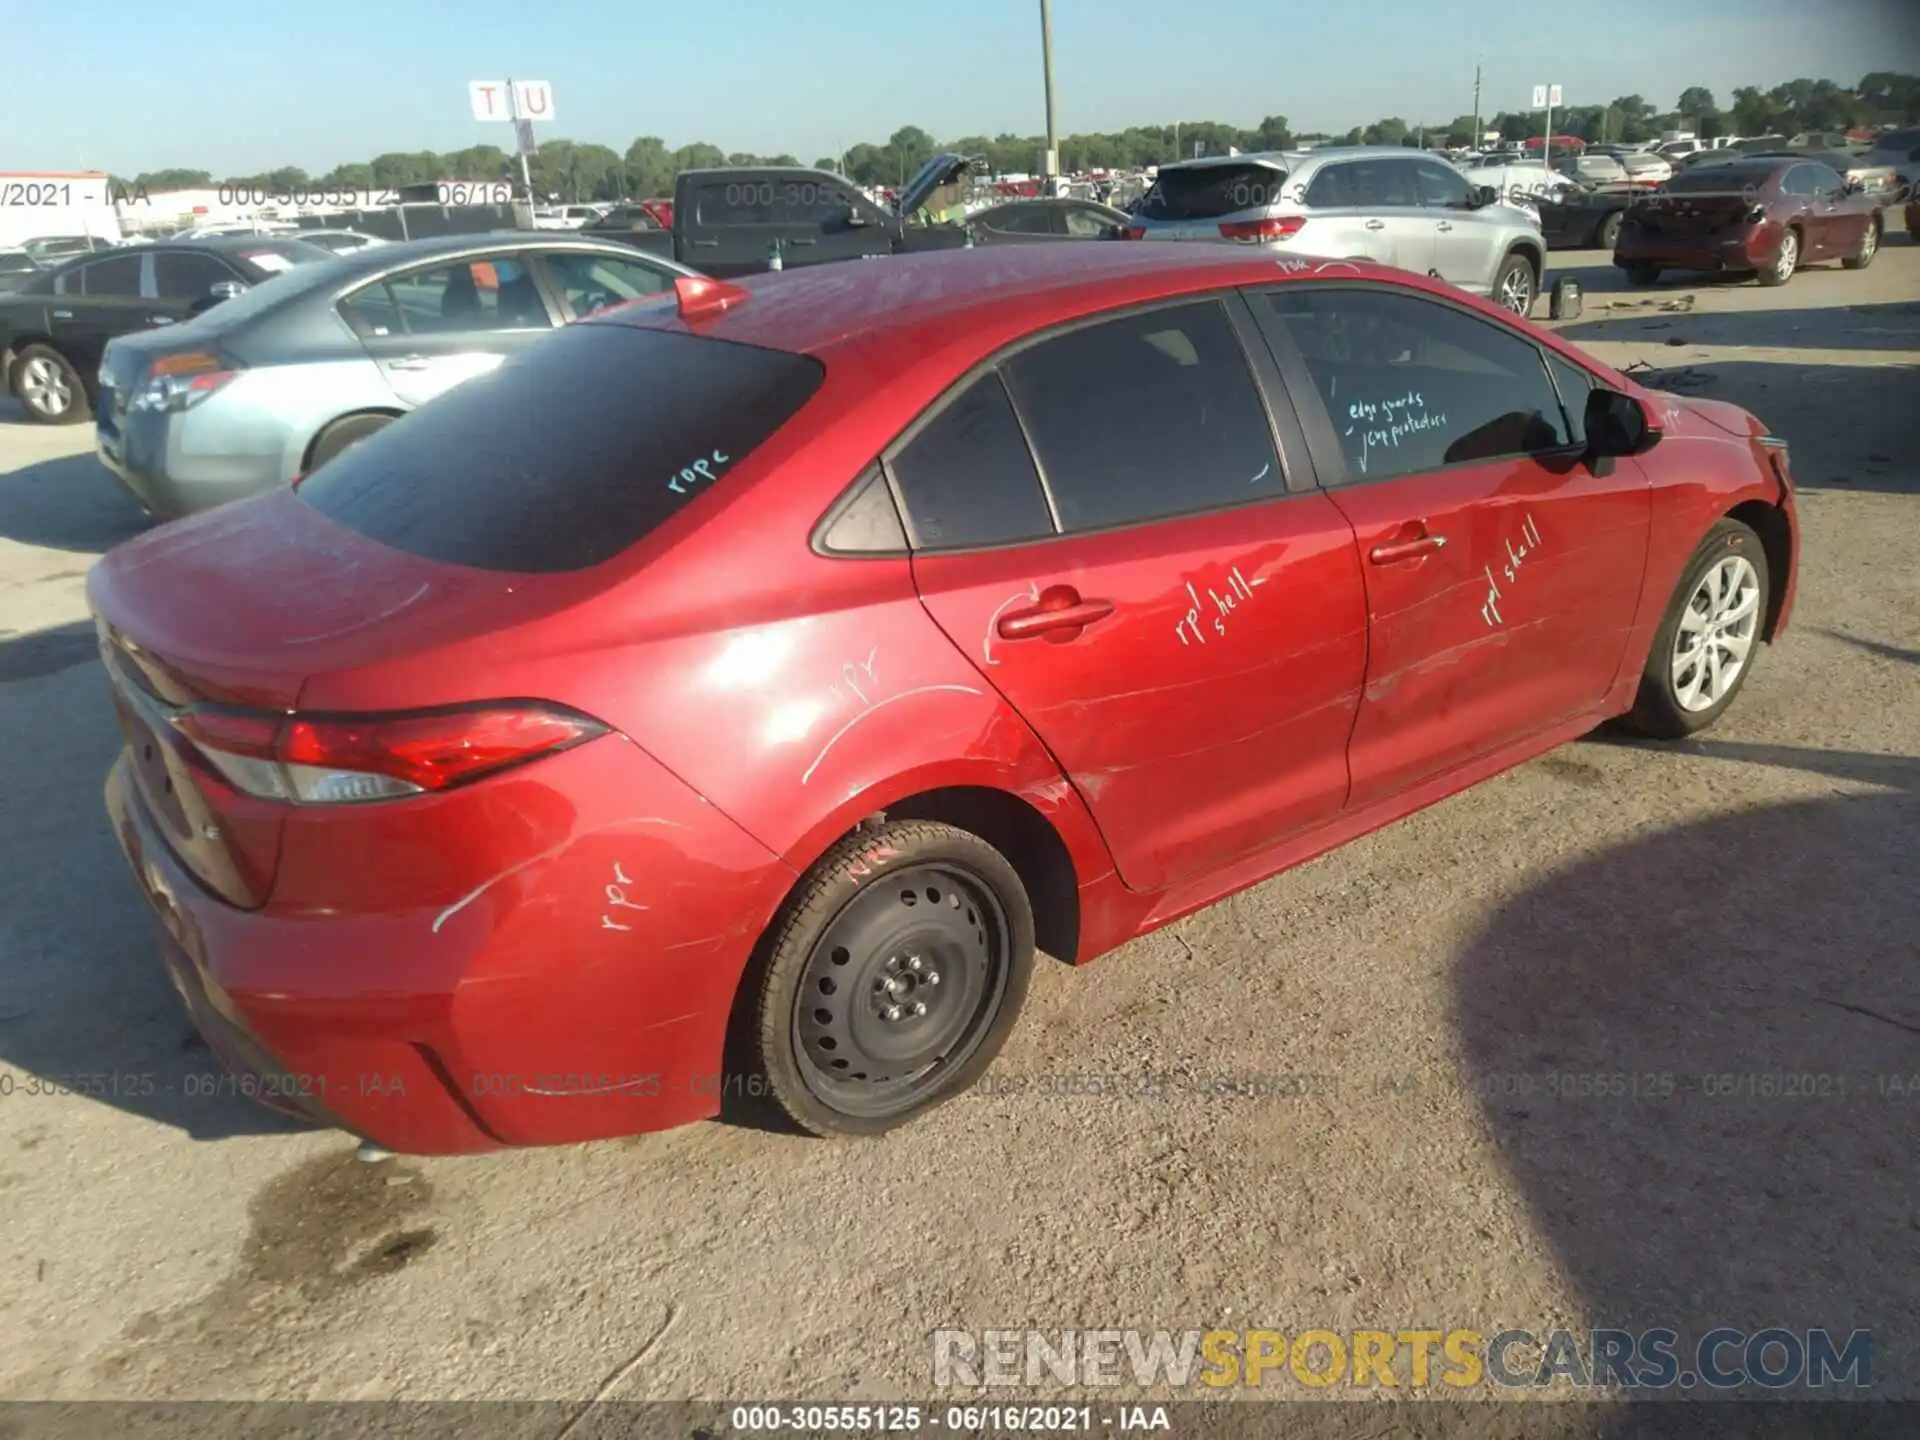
{"x": 1869, "y": 242}
{"x": 1717, "y": 629}
{"x": 1789, "y": 255}
{"x": 45, "y": 388}
{"x": 1516, "y": 290}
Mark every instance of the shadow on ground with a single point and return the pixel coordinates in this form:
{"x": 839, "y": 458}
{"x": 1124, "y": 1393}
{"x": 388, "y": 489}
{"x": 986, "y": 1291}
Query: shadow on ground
{"x": 84, "y": 1002}
{"x": 1893, "y": 325}
{"x": 67, "y": 503}
{"x": 1762, "y": 967}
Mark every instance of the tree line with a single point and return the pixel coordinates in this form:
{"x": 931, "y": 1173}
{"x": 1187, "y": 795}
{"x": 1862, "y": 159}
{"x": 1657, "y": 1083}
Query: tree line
{"x": 571, "y": 170}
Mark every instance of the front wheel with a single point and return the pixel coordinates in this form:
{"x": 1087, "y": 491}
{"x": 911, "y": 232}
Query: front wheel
{"x": 1704, "y": 647}
{"x": 892, "y": 979}
{"x": 1869, "y": 247}
{"x": 1513, "y": 285}
{"x": 1785, "y": 263}
{"x": 1609, "y": 232}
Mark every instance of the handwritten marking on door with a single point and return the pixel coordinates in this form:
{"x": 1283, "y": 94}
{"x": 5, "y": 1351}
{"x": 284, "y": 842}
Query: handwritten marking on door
{"x": 1239, "y": 591}
{"x": 699, "y": 470}
{"x": 1530, "y": 534}
{"x": 617, "y": 899}
{"x": 1384, "y": 424}
{"x": 859, "y": 678}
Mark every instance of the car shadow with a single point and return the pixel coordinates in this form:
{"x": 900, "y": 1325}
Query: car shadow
{"x": 1894, "y": 325}
{"x": 85, "y": 1004}
{"x": 1877, "y": 648}
{"x": 1698, "y": 1055}
{"x": 67, "y": 503}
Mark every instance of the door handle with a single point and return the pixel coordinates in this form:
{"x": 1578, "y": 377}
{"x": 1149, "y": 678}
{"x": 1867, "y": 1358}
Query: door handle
{"x": 1445, "y": 226}
{"x": 804, "y": 240}
{"x": 1413, "y": 549}
{"x": 409, "y": 362}
{"x": 704, "y": 244}
{"x": 1376, "y": 224}
{"x": 159, "y": 319}
{"x": 63, "y": 314}
{"x": 1060, "y": 609}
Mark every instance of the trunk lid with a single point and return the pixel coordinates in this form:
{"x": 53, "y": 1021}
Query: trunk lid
{"x": 1688, "y": 215}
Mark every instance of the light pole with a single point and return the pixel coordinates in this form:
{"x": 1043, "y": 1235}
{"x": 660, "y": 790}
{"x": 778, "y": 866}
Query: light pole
{"x": 1046, "y": 68}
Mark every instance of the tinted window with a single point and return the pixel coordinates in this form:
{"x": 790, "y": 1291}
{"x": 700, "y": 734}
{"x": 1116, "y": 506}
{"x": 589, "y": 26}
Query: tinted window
{"x": 868, "y": 521}
{"x": 1022, "y": 220}
{"x": 1719, "y": 177}
{"x": 1441, "y": 186}
{"x": 1574, "y": 385}
{"x": 1144, "y": 417}
{"x": 767, "y": 201}
{"x": 567, "y": 454}
{"x": 18, "y": 264}
{"x": 275, "y": 256}
{"x": 466, "y": 296}
{"x": 1826, "y": 180}
{"x": 1386, "y": 181}
{"x": 1414, "y": 385}
{"x": 597, "y": 282}
{"x": 1087, "y": 223}
{"x": 1799, "y": 181}
{"x": 1205, "y": 192}
{"x": 968, "y": 479}
{"x": 187, "y": 277}
{"x": 118, "y": 278}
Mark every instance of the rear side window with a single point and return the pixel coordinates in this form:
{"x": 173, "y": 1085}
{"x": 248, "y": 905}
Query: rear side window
{"x": 117, "y": 278}
{"x": 1705, "y": 179}
{"x": 569, "y": 453}
{"x": 1145, "y": 417}
{"x": 968, "y": 478}
{"x": 1205, "y": 192}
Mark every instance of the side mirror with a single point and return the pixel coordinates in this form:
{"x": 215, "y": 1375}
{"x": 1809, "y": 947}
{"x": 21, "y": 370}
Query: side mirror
{"x": 1483, "y": 196}
{"x": 1854, "y": 186}
{"x": 225, "y": 289}
{"x": 1617, "y": 425}
{"x": 854, "y": 220}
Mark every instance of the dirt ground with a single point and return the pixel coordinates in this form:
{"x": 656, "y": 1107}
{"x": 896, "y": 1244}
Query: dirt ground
{"x": 1741, "y": 906}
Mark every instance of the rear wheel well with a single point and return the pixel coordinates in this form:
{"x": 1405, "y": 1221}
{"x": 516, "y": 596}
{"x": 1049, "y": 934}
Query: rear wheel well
{"x": 306, "y": 458}
{"x": 1032, "y": 846}
{"x": 1769, "y": 522}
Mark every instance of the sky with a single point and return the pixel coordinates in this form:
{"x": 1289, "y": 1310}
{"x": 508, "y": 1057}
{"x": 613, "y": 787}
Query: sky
{"x": 238, "y": 88}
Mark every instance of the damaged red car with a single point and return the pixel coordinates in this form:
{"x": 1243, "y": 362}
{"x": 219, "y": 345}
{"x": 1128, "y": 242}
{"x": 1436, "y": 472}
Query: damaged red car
{"x": 1767, "y": 217}
{"x": 732, "y": 693}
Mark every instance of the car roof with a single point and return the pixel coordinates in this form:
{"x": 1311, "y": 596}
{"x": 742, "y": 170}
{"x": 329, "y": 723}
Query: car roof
{"x": 928, "y": 297}
{"x": 398, "y": 254}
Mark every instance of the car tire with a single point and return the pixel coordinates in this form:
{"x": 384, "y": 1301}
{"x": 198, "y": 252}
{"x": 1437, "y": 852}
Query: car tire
{"x": 51, "y": 391}
{"x": 1869, "y": 247}
{"x": 1515, "y": 286}
{"x": 1785, "y": 263}
{"x": 1715, "y": 616}
{"x": 348, "y": 430}
{"x": 1608, "y": 235}
{"x": 903, "y": 915}
{"x": 1641, "y": 273}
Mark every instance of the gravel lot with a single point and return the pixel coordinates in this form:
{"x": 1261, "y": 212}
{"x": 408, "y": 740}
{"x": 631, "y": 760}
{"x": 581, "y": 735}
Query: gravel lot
{"x": 1745, "y": 905}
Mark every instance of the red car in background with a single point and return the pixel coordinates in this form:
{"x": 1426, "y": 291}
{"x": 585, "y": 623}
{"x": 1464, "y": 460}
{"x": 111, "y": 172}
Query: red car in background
{"x": 728, "y": 694}
{"x": 1765, "y": 216}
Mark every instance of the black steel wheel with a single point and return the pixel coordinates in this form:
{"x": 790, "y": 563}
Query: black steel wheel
{"x": 893, "y": 979}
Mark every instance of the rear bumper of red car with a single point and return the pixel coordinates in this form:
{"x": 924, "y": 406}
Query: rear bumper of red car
{"x": 507, "y": 1013}
{"x": 1750, "y": 248}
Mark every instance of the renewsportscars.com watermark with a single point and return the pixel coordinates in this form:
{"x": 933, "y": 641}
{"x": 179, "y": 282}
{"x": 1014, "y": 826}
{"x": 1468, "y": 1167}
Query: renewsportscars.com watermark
{"x": 1413, "y": 1359}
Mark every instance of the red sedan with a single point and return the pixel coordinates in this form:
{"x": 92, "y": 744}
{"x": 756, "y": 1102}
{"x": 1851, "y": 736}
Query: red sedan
{"x": 1767, "y": 216}
{"x": 729, "y": 694}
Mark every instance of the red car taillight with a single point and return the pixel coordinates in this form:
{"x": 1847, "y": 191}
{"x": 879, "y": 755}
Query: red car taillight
{"x": 179, "y": 382}
{"x": 1277, "y": 227}
{"x": 1756, "y": 215}
{"x": 1134, "y": 232}
{"x": 335, "y": 759}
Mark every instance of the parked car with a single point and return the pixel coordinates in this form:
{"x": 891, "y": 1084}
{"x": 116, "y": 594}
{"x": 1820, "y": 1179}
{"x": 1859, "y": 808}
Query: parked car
{"x": 340, "y": 242}
{"x": 568, "y": 217}
{"x": 1897, "y": 150}
{"x": 1584, "y": 217}
{"x": 17, "y": 267}
{"x": 50, "y": 250}
{"x": 1765, "y": 216}
{"x": 570, "y": 763}
{"x": 734, "y": 221}
{"x": 1645, "y": 168}
{"x": 1019, "y": 221}
{"x": 1592, "y": 167}
{"x": 277, "y": 383}
{"x": 54, "y": 328}
{"x": 1520, "y": 182}
{"x": 1386, "y": 204}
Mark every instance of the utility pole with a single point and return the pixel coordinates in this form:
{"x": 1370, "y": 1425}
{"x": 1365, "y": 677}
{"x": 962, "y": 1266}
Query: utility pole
{"x": 1046, "y": 67}
{"x": 520, "y": 140}
{"x": 1475, "y": 142}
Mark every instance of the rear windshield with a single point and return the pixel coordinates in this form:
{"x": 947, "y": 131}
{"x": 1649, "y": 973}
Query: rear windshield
{"x": 569, "y": 453}
{"x": 1206, "y": 192}
{"x": 1706, "y": 178}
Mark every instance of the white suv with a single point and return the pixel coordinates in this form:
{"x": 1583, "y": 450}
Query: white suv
{"x": 1391, "y": 205}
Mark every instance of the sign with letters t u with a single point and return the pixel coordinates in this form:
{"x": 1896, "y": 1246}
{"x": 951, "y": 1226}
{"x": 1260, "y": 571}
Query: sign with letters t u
{"x": 530, "y": 100}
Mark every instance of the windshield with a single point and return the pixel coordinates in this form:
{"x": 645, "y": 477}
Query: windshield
{"x": 1206, "y": 192}
{"x": 296, "y": 276}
